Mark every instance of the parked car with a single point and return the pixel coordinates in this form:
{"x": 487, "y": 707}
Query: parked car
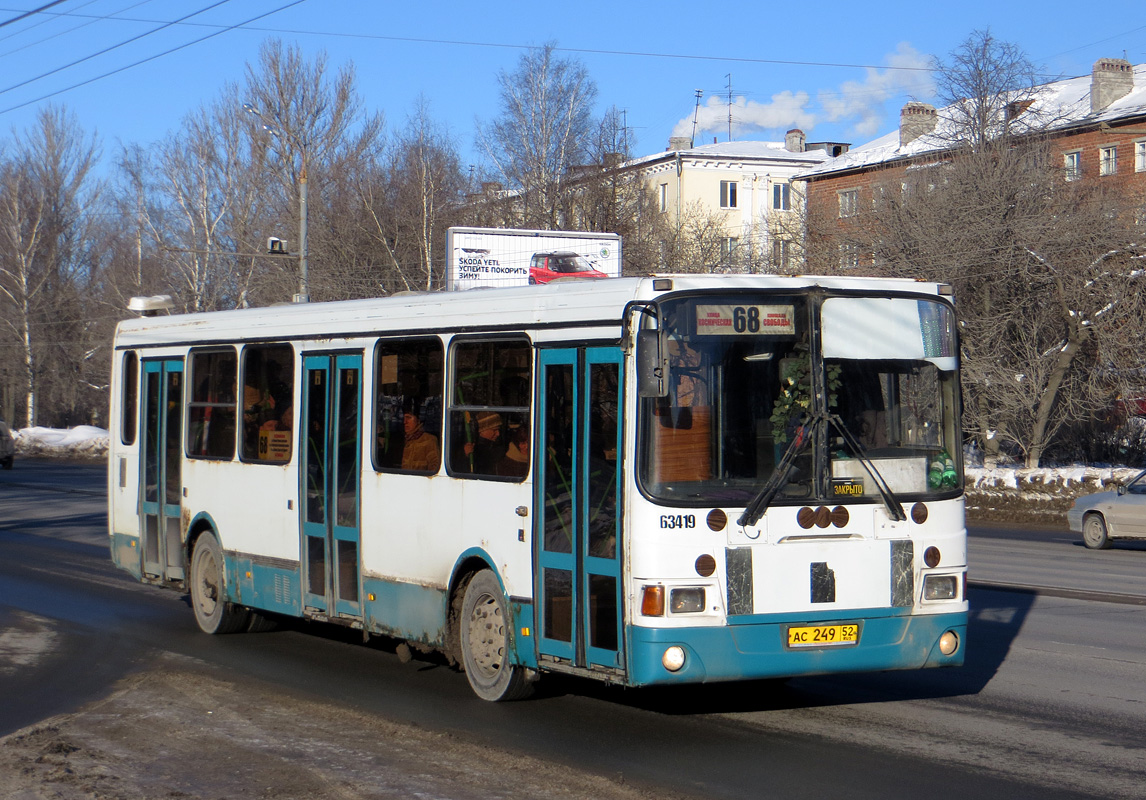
{"x": 1105, "y": 516}
{"x": 544, "y": 267}
{"x": 7, "y": 446}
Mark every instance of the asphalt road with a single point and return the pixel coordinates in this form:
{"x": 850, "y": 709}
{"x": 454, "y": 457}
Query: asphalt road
{"x": 1049, "y": 704}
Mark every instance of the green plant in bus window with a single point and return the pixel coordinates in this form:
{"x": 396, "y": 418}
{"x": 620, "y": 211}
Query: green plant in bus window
{"x": 794, "y": 401}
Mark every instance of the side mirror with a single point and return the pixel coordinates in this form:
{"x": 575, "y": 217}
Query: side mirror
{"x": 652, "y": 365}
{"x": 1121, "y": 487}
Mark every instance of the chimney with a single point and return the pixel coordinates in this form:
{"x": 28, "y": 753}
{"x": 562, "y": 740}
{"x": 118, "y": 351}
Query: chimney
{"x": 680, "y": 143}
{"x": 1111, "y": 79}
{"x": 915, "y": 120}
{"x": 794, "y": 141}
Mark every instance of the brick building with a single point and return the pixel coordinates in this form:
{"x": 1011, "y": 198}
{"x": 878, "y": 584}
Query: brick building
{"x": 1096, "y": 125}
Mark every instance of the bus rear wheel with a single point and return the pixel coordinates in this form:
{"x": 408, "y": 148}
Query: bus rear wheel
{"x": 209, "y": 590}
{"x": 485, "y": 632}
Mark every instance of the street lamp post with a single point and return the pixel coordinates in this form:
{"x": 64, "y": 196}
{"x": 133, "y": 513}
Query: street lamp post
{"x": 303, "y": 295}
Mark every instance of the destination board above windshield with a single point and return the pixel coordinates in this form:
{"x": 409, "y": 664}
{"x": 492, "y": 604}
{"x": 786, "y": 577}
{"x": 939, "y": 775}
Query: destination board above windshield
{"x": 745, "y": 320}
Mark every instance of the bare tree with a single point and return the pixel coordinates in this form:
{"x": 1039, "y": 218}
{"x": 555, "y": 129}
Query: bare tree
{"x": 45, "y": 189}
{"x": 411, "y": 201}
{"x": 545, "y": 128}
{"x": 985, "y": 85}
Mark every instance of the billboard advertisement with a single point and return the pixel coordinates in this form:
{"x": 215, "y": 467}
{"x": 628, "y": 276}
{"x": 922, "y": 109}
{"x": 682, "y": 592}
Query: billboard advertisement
{"x": 500, "y": 257}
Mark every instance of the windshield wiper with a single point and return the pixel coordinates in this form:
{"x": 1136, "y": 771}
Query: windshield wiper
{"x": 754, "y": 510}
{"x": 894, "y": 507}
{"x": 760, "y": 503}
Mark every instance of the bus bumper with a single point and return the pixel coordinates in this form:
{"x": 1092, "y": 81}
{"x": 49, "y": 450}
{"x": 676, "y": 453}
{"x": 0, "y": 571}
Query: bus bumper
{"x": 753, "y": 650}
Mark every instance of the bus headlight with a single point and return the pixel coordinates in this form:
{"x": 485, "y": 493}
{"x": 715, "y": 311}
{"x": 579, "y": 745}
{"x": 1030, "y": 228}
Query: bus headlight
{"x": 686, "y": 601}
{"x": 940, "y": 587}
{"x": 673, "y": 659}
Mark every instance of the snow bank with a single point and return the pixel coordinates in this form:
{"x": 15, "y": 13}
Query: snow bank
{"x": 83, "y": 441}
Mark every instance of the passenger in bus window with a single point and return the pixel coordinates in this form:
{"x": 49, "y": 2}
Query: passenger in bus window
{"x": 420, "y": 452}
{"x": 515, "y": 463}
{"x": 487, "y": 450}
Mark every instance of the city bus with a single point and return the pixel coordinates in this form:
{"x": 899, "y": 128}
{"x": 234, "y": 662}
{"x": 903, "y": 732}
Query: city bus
{"x": 646, "y": 481}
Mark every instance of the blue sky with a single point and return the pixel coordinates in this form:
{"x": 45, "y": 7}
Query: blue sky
{"x": 824, "y": 68}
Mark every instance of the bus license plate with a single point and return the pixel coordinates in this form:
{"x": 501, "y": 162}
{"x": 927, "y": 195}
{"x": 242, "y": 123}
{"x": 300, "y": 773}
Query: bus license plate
{"x": 823, "y": 635}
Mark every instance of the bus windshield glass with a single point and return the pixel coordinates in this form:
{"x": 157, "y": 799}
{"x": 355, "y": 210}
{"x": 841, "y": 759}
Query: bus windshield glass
{"x": 871, "y": 398}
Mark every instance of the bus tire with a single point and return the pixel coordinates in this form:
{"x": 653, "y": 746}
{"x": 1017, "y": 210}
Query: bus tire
{"x": 209, "y": 589}
{"x": 1094, "y": 533}
{"x": 484, "y": 640}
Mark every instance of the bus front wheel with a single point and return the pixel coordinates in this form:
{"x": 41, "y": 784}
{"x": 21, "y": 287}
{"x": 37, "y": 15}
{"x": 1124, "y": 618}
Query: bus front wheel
{"x": 485, "y": 632}
{"x": 209, "y": 591}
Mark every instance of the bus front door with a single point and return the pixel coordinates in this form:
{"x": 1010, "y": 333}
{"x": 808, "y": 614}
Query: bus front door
{"x": 578, "y": 508}
{"x": 161, "y": 482}
{"x": 331, "y": 401}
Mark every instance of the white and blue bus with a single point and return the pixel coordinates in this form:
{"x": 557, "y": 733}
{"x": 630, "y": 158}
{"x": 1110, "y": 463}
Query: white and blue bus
{"x": 664, "y": 480}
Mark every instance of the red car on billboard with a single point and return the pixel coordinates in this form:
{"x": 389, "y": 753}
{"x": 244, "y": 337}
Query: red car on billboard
{"x": 545, "y": 267}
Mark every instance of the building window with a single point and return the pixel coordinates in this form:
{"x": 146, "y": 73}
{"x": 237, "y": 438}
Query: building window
{"x": 780, "y": 196}
{"x": 664, "y": 197}
{"x": 1072, "y": 163}
{"x": 849, "y": 256}
{"x": 780, "y": 253}
{"x": 728, "y": 250}
{"x": 849, "y": 202}
{"x": 728, "y": 194}
{"x": 1108, "y": 160}
{"x": 1140, "y": 156}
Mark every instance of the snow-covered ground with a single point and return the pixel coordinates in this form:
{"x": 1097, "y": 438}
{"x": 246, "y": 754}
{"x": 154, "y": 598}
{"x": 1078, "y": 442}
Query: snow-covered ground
{"x": 83, "y": 441}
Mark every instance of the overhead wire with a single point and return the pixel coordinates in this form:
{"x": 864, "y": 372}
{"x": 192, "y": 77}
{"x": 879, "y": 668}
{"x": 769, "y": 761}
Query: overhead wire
{"x": 222, "y": 30}
{"x": 116, "y": 46}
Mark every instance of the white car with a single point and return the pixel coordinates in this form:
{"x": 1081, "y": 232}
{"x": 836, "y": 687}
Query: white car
{"x": 1104, "y": 516}
{"x": 7, "y": 446}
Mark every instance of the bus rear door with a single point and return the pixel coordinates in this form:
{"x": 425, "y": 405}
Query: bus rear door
{"x": 161, "y": 482}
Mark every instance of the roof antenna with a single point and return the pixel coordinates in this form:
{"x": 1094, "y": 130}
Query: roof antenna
{"x": 695, "y": 114}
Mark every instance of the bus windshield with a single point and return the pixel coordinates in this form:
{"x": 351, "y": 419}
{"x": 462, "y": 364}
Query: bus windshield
{"x": 866, "y": 406}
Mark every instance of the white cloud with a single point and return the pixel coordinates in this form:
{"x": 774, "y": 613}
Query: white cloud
{"x": 860, "y": 103}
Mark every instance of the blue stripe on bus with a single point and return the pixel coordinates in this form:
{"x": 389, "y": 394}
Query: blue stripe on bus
{"x": 264, "y": 587}
{"x": 125, "y": 553}
{"x": 751, "y": 651}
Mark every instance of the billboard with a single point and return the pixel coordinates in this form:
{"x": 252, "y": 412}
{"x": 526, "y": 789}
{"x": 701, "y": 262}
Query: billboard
{"x": 484, "y": 257}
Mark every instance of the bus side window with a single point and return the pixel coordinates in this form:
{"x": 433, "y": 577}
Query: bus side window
{"x": 408, "y": 406}
{"x": 268, "y": 403}
{"x": 211, "y": 410}
{"x": 130, "y": 379}
{"x": 489, "y": 408}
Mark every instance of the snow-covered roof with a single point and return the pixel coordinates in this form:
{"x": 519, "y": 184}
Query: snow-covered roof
{"x": 1057, "y": 106}
{"x": 754, "y": 151}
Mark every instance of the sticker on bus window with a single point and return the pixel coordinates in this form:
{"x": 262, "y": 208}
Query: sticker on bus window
{"x": 847, "y": 487}
{"x": 725, "y": 320}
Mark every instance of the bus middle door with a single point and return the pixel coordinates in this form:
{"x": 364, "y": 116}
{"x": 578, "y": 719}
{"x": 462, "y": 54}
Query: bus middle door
{"x": 330, "y": 477}
{"x": 578, "y": 502}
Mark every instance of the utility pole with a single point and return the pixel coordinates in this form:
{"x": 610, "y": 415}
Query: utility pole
{"x": 729, "y": 76}
{"x": 695, "y": 115}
